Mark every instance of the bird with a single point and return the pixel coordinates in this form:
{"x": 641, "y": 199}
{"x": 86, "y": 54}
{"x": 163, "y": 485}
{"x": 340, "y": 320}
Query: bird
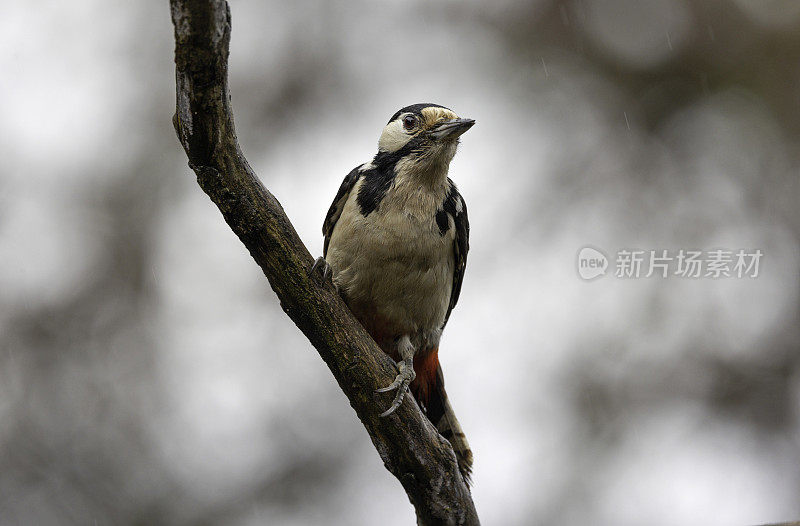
{"x": 396, "y": 239}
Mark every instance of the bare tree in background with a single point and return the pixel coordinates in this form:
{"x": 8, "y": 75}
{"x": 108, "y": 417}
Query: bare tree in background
{"x": 147, "y": 374}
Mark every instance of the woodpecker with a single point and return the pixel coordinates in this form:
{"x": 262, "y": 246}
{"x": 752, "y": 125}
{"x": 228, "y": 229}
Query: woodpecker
{"x": 396, "y": 242}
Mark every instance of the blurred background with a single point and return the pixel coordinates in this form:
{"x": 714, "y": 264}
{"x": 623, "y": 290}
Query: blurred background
{"x": 149, "y": 376}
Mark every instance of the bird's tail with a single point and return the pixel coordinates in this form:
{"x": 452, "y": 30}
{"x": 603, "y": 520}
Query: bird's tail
{"x": 429, "y": 391}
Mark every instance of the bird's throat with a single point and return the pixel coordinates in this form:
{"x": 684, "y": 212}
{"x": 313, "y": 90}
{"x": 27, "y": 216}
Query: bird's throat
{"x": 430, "y": 169}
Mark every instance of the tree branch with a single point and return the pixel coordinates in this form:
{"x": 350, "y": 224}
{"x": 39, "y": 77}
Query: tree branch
{"x": 407, "y": 442}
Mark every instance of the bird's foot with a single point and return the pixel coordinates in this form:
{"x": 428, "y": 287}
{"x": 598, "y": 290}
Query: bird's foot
{"x": 323, "y": 266}
{"x": 405, "y": 376}
{"x": 401, "y": 383}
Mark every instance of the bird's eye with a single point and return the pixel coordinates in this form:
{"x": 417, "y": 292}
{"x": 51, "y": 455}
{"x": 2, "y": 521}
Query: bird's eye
{"x": 409, "y": 121}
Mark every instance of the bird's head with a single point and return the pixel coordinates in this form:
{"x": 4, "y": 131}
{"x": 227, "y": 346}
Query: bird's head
{"x": 423, "y": 135}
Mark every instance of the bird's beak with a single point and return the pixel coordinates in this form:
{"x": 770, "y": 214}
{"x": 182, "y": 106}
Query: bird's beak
{"x": 452, "y": 128}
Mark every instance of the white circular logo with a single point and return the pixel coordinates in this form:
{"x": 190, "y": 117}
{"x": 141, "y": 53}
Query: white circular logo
{"x": 591, "y": 263}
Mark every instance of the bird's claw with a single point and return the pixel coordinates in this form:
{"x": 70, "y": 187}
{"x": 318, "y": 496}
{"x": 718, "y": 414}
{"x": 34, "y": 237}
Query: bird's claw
{"x": 391, "y": 387}
{"x": 401, "y": 383}
{"x": 320, "y": 263}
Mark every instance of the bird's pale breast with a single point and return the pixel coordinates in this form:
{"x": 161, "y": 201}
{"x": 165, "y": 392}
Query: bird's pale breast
{"x": 393, "y": 265}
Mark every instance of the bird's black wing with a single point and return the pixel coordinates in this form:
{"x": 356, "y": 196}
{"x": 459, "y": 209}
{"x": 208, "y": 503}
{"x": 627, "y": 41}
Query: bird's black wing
{"x": 336, "y": 207}
{"x": 456, "y": 208}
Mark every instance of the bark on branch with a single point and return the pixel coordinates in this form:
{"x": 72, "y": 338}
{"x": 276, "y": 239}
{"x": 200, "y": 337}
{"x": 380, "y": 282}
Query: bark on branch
{"x": 408, "y": 444}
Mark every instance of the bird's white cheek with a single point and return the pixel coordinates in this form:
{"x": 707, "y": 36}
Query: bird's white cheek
{"x": 393, "y": 137}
